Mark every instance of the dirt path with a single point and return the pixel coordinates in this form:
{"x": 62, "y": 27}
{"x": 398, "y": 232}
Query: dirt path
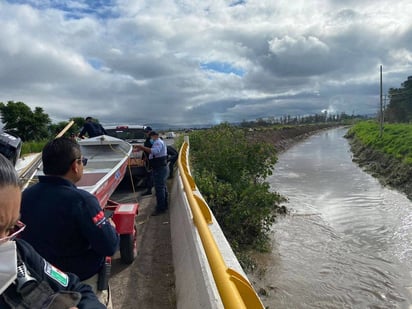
{"x": 147, "y": 283}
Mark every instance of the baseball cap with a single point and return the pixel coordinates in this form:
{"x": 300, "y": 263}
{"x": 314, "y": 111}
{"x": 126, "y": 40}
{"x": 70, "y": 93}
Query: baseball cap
{"x": 147, "y": 129}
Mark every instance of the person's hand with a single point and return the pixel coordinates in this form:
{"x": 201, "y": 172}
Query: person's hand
{"x": 73, "y": 308}
{"x": 112, "y": 222}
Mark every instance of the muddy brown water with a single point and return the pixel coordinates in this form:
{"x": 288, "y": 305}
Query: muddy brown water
{"x": 347, "y": 242}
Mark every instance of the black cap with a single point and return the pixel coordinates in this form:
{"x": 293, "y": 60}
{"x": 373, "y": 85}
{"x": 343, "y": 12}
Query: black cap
{"x": 153, "y": 133}
{"x": 147, "y": 129}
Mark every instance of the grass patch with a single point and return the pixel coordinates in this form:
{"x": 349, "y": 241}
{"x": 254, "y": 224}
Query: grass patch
{"x": 396, "y": 139}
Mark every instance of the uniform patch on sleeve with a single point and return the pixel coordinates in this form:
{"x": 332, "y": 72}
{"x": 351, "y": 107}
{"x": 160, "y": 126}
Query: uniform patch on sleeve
{"x": 56, "y": 274}
{"x": 99, "y": 218}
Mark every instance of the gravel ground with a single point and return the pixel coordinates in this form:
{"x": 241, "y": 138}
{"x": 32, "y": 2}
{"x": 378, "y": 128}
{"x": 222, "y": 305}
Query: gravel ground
{"x": 147, "y": 283}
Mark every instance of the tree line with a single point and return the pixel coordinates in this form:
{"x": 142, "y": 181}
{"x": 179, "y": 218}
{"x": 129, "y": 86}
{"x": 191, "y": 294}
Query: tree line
{"x": 33, "y": 125}
{"x": 399, "y": 108}
{"x": 323, "y": 117}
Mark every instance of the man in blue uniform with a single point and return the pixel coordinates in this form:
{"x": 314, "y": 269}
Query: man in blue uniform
{"x": 26, "y": 279}
{"x": 91, "y": 128}
{"x": 158, "y": 162}
{"x": 149, "y": 174}
{"x": 66, "y": 225}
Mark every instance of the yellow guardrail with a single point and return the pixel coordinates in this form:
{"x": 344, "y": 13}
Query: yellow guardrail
{"x": 235, "y": 291}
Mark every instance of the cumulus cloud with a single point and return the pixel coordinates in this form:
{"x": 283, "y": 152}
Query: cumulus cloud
{"x": 184, "y": 63}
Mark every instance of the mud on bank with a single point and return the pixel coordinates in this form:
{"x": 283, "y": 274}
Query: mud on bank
{"x": 388, "y": 170}
{"x": 285, "y": 137}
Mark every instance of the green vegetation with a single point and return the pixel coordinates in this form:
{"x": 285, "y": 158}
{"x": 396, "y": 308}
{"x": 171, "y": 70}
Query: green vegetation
{"x": 229, "y": 170}
{"x": 396, "y": 140}
{"x": 32, "y": 147}
{"x": 20, "y": 120}
{"x": 33, "y": 127}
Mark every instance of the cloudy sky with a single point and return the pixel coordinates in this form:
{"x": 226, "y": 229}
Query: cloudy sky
{"x": 187, "y": 62}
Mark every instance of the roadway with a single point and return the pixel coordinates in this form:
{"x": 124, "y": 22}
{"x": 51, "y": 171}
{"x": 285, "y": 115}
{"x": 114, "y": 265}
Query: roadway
{"x": 147, "y": 283}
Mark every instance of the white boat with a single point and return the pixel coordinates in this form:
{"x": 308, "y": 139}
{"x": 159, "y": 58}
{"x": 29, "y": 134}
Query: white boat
{"x": 106, "y": 166}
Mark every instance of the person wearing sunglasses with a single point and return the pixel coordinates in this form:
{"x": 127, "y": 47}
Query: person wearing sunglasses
{"x": 27, "y": 280}
{"x": 66, "y": 224}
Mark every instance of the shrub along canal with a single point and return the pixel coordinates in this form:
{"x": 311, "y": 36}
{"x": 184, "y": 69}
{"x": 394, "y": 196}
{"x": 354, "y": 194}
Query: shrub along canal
{"x": 347, "y": 242}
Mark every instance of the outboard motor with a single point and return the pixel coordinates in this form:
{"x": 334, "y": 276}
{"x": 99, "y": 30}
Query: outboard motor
{"x": 10, "y": 146}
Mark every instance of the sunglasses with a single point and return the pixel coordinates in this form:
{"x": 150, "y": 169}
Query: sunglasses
{"x": 14, "y": 232}
{"x": 82, "y": 159}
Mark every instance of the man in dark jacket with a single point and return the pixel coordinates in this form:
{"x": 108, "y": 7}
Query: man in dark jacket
{"x": 65, "y": 224}
{"x": 92, "y": 128}
{"x": 26, "y": 279}
{"x": 172, "y": 156}
{"x": 149, "y": 174}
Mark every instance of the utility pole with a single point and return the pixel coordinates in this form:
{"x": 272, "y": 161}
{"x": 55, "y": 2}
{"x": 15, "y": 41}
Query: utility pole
{"x": 381, "y": 113}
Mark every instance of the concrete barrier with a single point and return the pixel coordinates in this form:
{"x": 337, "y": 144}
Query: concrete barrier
{"x": 194, "y": 285}
{"x": 208, "y": 274}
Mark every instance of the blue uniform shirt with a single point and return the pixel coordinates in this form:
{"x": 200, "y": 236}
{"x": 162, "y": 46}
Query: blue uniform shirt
{"x": 66, "y": 226}
{"x": 158, "y": 149}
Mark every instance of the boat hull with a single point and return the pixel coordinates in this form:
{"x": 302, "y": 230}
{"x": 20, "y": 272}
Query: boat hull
{"x": 106, "y": 167}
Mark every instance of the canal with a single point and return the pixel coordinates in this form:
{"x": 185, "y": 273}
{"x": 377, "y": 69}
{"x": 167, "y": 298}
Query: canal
{"x": 347, "y": 242}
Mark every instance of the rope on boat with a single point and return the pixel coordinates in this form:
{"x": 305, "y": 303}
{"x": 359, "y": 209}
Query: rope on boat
{"x": 128, "y": 167}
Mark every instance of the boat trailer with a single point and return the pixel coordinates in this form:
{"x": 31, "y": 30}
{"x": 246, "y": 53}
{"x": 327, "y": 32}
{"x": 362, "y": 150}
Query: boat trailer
{"x": 123, "y": 215}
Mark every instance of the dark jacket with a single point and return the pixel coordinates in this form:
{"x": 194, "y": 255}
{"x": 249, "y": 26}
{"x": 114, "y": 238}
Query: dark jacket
{"x": 145, "y": 156}
{"x": 172, "y": 154}
{"x": 92, "y": 129}
{"x": 37, "y": 267}
{"x": 147, "y": 143}
{"x": 66, "y": 225}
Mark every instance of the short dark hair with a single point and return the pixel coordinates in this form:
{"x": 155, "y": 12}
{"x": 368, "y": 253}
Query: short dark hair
{"x": 58, "y": 155}
{"x": 88, "y": 118}
{"x": 8, "y": 174}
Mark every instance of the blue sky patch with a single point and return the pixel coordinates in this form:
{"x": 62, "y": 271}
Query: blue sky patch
{"x": 95, "y": 63}
{"x": 75, "y": 9}
{"x": 221, "y": 67}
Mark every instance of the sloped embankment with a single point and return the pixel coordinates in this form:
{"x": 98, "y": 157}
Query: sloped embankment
{"x": 285, "y": 137}
{"x": 389, "y": 170}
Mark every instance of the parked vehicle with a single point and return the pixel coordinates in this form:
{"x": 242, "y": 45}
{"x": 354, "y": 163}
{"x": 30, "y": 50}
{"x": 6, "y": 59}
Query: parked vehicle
{"x": 170, "y": 135}
{"x": 10, "y": 146}
{"x": 133, "y": 134}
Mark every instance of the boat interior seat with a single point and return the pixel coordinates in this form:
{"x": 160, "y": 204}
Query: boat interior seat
{"x": 90, "y": 179}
